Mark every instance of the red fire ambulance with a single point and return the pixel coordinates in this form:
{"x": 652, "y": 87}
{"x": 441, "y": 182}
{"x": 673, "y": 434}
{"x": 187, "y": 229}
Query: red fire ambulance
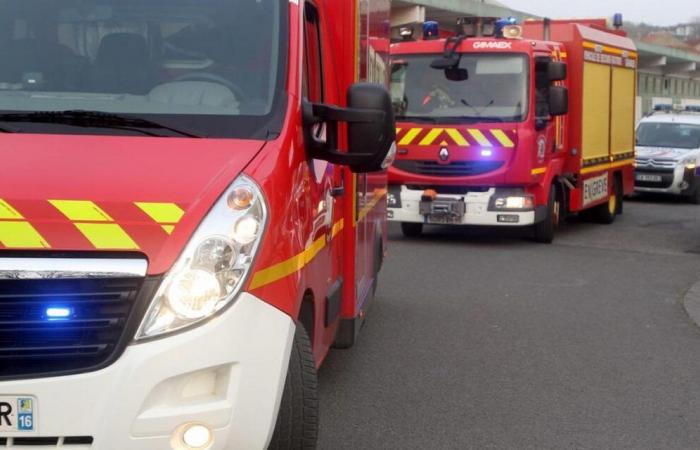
{"x": 510, "y": 125}
{"x": 192, "y": 212}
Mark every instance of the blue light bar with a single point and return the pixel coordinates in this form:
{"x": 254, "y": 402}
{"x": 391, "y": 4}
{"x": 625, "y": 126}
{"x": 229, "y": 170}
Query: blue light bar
{"x": 58, "y": 312}
{"x": 431, "y": 30}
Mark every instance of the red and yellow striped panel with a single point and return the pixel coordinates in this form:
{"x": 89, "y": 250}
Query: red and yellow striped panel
{"x": 69, "y": 224}
{"x": 453, "y": 136}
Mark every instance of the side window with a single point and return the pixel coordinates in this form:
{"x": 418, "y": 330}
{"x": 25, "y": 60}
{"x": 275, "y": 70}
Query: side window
{"x": 313, "y": 61}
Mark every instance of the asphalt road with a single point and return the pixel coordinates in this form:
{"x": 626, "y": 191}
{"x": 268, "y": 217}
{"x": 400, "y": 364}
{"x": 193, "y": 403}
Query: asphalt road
{"x": 481, "y": 339}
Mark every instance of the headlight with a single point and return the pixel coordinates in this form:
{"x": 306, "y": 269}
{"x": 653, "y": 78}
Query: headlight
{"x": 689, "y": 163}
{"x": 214, "y": 265}
{"x": 514, "y": 202}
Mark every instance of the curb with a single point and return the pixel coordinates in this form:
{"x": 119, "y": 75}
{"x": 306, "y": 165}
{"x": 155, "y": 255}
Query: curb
{"x": 691, "y": 303}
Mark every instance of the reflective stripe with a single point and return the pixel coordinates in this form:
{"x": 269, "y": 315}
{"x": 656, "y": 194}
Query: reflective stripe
{"x": 398, "y": 130}
{"x": 503, "y": 138}
{"x": 431, "y": 136}
{"x": 168, "y": 228}
{"x": 409, "y": 136}
{"x": 539, "y": 170}
{"x": 378, "y": 195}
{"x": 288, "y": 267}
{"x": 21, "y": 235}
{"x": 337, "y": 228}
{"x": 8, "y": 212}
{"x": 81, "y": 210}
{"x": 162, "y": 212}
{"x": 480, "y": 138}
{"x": 457, "y": 137}
{"x": 107, "y": 236}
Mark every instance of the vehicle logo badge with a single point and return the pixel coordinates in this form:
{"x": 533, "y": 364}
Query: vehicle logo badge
{"x": 444, "y": 154}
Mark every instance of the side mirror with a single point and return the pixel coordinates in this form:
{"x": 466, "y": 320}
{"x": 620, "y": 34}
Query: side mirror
{"x": 457, "y": 74}
{"x": 556, "y": 71}
{"x": 558, "y": 101}
{"x": 372, "y": 138}
{"x": 371, "y": 129}
{"x": 445, "y": 62}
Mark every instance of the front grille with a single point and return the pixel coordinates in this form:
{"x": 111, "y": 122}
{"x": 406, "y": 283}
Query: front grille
{"x": 453, "y": 169}
{"x": 57, "y": 442}
{"x": 655, "y": 163}
{"x": 666, "y": 178}
{"x": 33, "y": 344}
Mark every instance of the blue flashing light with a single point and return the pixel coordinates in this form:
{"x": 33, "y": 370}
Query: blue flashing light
{"x": 58, "y": 312}
{"x": 617, "y": 20}
{"x": 431, "y": 30}
{"x": 502, "y": 23}
{"x": 486, "y": 153}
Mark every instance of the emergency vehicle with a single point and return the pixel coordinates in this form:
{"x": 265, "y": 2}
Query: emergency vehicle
{"x": 508, "y": 125}
{"x": 668, "y": 152}
{"x": 192, "y": 212}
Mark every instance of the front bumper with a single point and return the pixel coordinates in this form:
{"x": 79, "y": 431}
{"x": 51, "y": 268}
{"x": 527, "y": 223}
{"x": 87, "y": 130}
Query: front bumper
{"x": 406, "y": 208}
{"x": 228, "y": 374}
{"x": 678, "y": 181}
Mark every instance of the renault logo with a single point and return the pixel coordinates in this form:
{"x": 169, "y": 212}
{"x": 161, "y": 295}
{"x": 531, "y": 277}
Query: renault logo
{"x": 444, "y": 154}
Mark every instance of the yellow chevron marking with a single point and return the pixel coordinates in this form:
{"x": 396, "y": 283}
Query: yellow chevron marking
{"x": 409, "y": 136}
{"x": 539, "y": 170}
{"x": 288, "y": 267}
{"x": 21, "y": 235}
{"x": 431, "y": 136}
{"x": 398, "y": 130}
{"x": 8, "y": 212}
{"x": 107, "y": 236}
{"x": 162, "y": 212}
{"x": 168, "y": 228}
{"x": 457, "y": 137}
{"x": 503, "y": 138}
{"x": 480, "y": 138}
{"x": 78, "y": 210}
{"x": 337, "y": 228}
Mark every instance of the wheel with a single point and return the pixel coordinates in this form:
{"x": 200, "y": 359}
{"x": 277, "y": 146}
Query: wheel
{"x": 544, "y": 230}
{"x": 297, "y": 420}
{"x": 607, "y": 212}
{"x": 694, "y": 196}
{"x": 411, "y": 229}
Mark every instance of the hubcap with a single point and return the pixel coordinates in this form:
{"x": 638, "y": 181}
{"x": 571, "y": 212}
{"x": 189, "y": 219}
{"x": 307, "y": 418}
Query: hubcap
{"x": 612, "y": 204}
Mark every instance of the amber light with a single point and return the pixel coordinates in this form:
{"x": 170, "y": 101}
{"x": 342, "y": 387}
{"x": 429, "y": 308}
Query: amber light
{"x": 241, "y": 198}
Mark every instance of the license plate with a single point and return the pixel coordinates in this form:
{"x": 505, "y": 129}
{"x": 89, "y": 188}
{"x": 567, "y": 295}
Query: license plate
{"x": 17, "y": 414}
{"x": 646, "y": 177}
{"x": 444, "y": 219}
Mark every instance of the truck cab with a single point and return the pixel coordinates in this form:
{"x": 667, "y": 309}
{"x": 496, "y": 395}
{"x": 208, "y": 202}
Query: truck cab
{"x": 192, "y": 213}
{"x": 495, "y": 124}
{"x": 668, "y": 152}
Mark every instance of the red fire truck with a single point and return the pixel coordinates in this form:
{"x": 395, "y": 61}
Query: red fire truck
{"x": 508, "y": 125}
{"x": 192, "y": 212}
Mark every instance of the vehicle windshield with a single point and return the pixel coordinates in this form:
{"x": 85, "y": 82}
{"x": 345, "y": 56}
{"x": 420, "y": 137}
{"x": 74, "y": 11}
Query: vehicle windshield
{"x": 212, "y": 67}
{"x": 495, "y": 88}
{"x": 668, "y": 134}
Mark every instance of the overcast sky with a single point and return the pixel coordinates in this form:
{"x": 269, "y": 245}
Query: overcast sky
{"x": 656, "y": 12}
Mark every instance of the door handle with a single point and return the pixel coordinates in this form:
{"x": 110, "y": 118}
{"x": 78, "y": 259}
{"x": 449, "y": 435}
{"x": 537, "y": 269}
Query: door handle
{"x": 338, "y": 191}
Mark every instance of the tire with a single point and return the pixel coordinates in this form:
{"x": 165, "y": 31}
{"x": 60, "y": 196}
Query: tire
{"x": 694, "y": 197}
{"x": 607, "y": 212}
{"x": 411, "y": 229}
{"x": 544, "y": 230}
{"x": 297, "y": 420}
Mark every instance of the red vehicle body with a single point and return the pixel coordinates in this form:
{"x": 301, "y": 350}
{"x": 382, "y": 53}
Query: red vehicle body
{"x": 501, "y": 154}
{"x": 232, "y": 252}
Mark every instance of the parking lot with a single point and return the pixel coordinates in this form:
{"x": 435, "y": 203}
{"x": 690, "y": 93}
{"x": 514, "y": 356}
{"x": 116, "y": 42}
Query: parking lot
{"x": 483, "y": 339}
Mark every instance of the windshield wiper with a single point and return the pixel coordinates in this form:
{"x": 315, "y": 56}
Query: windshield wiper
{"x": 82, "y": 118}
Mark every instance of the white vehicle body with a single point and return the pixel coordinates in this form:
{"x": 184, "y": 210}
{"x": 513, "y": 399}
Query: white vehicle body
{"x": 668, "y": 169}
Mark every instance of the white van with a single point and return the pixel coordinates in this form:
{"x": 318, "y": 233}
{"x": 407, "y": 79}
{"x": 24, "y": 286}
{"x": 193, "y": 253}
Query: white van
{"x": 668, "y": 152}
